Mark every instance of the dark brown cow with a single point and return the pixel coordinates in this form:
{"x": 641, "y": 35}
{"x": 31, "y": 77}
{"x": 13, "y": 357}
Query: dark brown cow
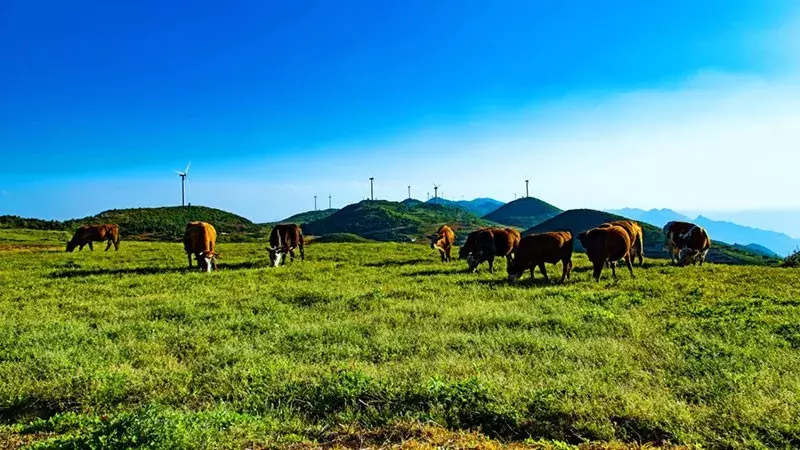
{"x": 87, "y": 234}
{"x": 687, "y": 238}
{"x": 493, "y": 242}
{"x": 469, "y": 245}
{"x": 607, "y": 244}
{"x": 537, "y": 249}
{"x": 283, "y": 239}
{"x": 200, "y": 241}
{"x": 443, "y": 241}
{"x": 636, "y": 235}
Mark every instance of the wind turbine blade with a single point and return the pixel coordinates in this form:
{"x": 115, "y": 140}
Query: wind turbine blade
{"x": 187, "y": 167}
{"x": 179, "y": 173}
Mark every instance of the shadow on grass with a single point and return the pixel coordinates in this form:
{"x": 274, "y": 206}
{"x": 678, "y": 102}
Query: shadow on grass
{"x": 151, "y": 270}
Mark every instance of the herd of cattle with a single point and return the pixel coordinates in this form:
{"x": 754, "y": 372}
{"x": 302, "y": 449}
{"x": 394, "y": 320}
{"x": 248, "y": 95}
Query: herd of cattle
{"x": 605, "y": 245}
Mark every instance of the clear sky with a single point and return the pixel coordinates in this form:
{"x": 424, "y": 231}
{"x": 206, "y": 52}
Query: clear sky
{"x": 692, "y": 105}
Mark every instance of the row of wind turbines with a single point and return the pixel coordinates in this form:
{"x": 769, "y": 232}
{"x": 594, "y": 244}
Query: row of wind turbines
{"x": 184, "y": 174}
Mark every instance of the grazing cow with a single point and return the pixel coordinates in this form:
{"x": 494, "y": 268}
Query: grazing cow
{"x": 200, "y": 241}
{"x": 469, "y": 245}
{"x": 537, "y": 249}
{"x": 636, "y": 235}
{"x": 493, "y": 242}
{"x": 607, "y": 244}
{"x": 87, "y": 234}
{"x": 283, "y": 239}
{"x": 687, "y": 238}
{"x": 443, "y": 241}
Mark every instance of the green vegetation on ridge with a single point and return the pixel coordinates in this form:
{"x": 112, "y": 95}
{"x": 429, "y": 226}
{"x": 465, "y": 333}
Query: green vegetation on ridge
{"x": 393, "y": 221}
{"x": 166, "y": 223}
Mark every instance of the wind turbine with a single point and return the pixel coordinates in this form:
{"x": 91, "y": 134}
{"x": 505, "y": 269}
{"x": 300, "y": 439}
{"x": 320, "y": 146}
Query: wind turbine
{"x": 435, "y": 192}
{"x": 183, "y": 176}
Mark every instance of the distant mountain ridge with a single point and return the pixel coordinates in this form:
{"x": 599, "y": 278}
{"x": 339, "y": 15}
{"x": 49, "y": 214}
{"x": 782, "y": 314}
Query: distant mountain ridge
{"x": 479, "y": 206}
{"x": 778, "y": 243}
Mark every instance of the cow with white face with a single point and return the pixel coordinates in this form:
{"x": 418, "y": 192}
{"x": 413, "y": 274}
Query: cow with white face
{"x": 283, "y": 240}
{"x": 200, "y": 240}
{"x": 686, "y": 243}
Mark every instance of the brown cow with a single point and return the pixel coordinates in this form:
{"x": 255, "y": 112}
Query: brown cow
{"x": 493, "y": 242}
{"x": 538, "y": 249}
{"x": 469, "y": 245}
{"x": 200, "y": 241}
{"x": 687, "y": 238}
{"x": 87, "y": 234}
{"x": 443, "y": 241}
{"x": 607, "y": 244}
{"x": 283, "y": 239}
{"x": 636, "y": 235}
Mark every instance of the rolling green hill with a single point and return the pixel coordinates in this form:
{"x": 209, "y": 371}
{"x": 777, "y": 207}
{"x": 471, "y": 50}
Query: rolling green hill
{"x": 159, "y": 224}
{"x": 523, "y": 212}
{"x": 308, "y": 216}
{"x": 169, "y": 223}
{"x": 578, "y": 220}
{"x": 392, "y": 221}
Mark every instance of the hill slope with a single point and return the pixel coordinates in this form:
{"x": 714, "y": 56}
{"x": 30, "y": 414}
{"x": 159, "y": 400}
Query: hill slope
{"x": 523, "y": 212}
{"x": 578, "y": 220}
{"x": 309, "y": 216}
{"x": 392, "y": 221}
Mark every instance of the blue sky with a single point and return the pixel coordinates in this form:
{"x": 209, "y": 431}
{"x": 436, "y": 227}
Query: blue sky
{"x": 684, "y": 104}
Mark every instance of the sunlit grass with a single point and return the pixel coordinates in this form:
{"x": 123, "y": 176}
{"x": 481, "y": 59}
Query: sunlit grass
{"x": 129, "y": 348}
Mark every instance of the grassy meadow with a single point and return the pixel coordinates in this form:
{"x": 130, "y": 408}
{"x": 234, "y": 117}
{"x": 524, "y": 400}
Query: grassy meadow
{"x": 364, "y": 343}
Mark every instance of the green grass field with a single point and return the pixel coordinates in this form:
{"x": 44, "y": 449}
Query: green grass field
{"x": 130, "y": 350}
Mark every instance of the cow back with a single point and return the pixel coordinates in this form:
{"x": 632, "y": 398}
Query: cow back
{"x": 199, "y": 237}
{"x": 609, "y": 242}
{"x": 285, "y": 235}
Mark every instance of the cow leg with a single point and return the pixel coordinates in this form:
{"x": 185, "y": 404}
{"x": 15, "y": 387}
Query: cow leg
{"x": 302, "y": 252}
{"x": 116, "y": 246}
{"x": 291, "y": 255}
{"x": 614, "y": 271}
{"x": 629, "y": 263}
{"x": 441, "y": 254}
{"x": 81, "y": 247}
{"x": 491, "y": 264}
{"x": 532, "y": 276}
{"x": 91, "y": 247}
{"x": 597, "y": 269}
{"x": 189, "y": 255}
{"x": 449, "y": 248}
{"x": 108, "y": 244}
{"x": 564, "y": 270}
{"x": 543, "y": 269}
{"x": 569, "y": 269}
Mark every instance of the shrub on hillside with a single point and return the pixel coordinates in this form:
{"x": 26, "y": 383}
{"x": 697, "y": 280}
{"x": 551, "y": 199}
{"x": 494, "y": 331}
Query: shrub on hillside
{"x": 793, "y": 260}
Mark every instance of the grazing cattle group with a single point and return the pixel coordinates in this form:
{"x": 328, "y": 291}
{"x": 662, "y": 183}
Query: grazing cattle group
{"x": 605, "y": 245}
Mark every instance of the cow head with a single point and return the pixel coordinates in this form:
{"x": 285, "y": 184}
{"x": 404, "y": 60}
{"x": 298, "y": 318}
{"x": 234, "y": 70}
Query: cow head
{"x": 514, "y": 269}
{"x": 688, "y": 256}
{"x": 276, "y": 256}
{"x": 474, "y": 260}
{"x": 71, "y": 246}
{"x": 434, "y": 240}
{"x": 206, "y": 260}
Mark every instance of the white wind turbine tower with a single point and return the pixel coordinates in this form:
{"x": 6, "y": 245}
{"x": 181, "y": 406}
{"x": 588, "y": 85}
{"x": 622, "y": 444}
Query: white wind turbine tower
{"x": 435, "y": 193}
{"x": 183, "y": 176}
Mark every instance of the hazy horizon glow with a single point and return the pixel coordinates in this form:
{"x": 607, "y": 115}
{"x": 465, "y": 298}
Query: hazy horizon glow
{"x": 628, "y": 113}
